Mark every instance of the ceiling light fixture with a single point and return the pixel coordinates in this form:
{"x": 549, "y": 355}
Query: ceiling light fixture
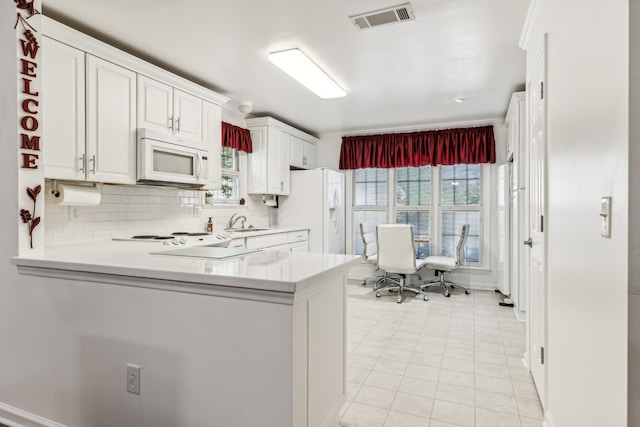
{"x": 245, "y": 107}
{"x": 459, "y": 99}
{"x": 298, "y": 65}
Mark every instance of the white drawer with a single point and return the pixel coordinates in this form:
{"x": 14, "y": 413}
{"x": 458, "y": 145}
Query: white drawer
{"x": 237, "y": 243}
{"x": 297, "y": 236}
{"x": 267, "y": 240}
{"x": 300, "y": 246}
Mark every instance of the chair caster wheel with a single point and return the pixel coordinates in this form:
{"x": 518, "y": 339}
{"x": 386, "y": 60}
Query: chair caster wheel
{"x": 447, "y": 295}
{"x": 425, "y": 298}
{"x": 466, "y": 292}
{"x": 399, "y": 301}
{"x": 377, "y": 294}
{"x": 364, "y": 283}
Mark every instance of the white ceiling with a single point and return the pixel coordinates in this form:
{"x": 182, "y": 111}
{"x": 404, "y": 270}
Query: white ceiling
{"x": 398, "y": 75}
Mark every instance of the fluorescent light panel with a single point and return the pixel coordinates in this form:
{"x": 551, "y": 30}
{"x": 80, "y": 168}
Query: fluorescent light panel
{"x": 298, "y": 65}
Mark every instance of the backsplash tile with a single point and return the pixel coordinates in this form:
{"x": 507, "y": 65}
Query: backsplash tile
{"x": 125, "y": 211}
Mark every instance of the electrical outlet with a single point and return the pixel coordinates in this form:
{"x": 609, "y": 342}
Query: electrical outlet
{"x": 133, "y": 379}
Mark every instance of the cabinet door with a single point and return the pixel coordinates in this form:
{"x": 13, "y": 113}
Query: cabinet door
{"x": 187, "y": 111}
{"x": 309, "y": 155}
{"x": 111, "y": 122}
{"x": 63, "y": 108}
{"x": 277, "y": 161}
{"x": 212, "y": 138}
{"x": 296, "y": 151}
{"x": 155, "y": 105}
{"x": 257, "y": 162}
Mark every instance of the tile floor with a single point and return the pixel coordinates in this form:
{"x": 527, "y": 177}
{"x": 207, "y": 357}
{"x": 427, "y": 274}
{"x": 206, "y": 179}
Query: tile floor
{"x": 445, "y": 362}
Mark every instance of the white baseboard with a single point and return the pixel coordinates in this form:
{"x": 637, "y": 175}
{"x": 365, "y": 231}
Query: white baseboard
{"x": 548, "y": 422}
{"x": 14, "y": 417}
{"x": 521, "y": 316}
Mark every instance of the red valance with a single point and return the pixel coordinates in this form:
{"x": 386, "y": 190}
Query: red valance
{"x": 236, "y": 137}
{"x": 432, "y": 147}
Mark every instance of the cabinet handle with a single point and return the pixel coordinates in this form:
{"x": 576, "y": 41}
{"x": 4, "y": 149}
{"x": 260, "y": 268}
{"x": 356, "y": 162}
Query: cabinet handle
{"x": 528, "y": 242}
{"x": 304, "y": 161}
{"x": 82, "y": 162}
{"x": 281, "y": 185}
{"x": 178, "y": 125}
{"x": 171, "y": 123}
{"x": 93, "y": 164}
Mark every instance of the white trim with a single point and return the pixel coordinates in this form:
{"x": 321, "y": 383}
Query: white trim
{"x": 67, "y": 35}
{"x": 275, "y": 297}
{"x": 529, "y": 23}
{"x": 548, "y": 421}
{"x": 15, "y": 417}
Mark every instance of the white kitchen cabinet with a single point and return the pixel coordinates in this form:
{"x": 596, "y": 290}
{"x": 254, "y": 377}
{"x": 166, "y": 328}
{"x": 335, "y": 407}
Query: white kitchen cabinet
{"x": 166, "y": 109}
{"x": 111, "y": 122}
{"x": 268, "y": 171}
{"x": 212, "y": 138}
{"x": 63, "y": 95}
{"x": 302, "y": 153}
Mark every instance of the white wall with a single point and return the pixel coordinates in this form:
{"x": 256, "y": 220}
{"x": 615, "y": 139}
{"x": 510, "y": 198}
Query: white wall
{"x": 328, "y": 155}
{"x": 588, "y": 145}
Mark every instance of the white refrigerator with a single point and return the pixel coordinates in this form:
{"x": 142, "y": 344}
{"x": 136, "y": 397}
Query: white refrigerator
{"x": 316, "y": 201}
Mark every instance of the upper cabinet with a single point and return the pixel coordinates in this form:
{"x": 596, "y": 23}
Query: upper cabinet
{"x": 111, "y": 122}
{"x": 167, "y": 109}
{"x": 302, "y": 152}
{"x": 95, "y": 97}
{"x": 63, "y": 96}
{"x": 268, "y": 171}
{"x": 90, "y": 124}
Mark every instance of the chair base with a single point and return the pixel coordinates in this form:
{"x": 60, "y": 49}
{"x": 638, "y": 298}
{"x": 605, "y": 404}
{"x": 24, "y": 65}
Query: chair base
{"x": 402, "y": 286}
{"x": 444, "y": 284}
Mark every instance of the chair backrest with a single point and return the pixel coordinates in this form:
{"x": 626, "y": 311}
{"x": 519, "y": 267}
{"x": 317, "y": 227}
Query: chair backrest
{"x": 396, "y": 253}
{"x": 370, "y": 252}
{"x": 458, "y": 255}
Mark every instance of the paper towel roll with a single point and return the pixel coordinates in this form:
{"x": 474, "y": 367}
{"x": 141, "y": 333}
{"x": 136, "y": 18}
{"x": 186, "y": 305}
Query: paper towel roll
{"x": 75, "y": 195}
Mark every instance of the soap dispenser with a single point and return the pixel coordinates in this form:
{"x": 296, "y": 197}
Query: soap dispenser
{"x": 210, "y": 226}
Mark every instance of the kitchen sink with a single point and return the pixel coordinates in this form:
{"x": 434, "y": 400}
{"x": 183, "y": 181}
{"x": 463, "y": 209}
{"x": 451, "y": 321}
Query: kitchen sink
{"x": 245, "y": 230}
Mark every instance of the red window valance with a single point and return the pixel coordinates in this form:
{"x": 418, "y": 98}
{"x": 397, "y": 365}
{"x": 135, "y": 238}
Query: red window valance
{"x": 432, "y": 147}
{"x": 236, "y": 137}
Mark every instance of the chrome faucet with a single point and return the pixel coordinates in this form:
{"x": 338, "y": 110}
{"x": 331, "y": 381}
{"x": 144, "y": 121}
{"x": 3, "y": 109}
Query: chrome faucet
{"x": 233, "y": 220}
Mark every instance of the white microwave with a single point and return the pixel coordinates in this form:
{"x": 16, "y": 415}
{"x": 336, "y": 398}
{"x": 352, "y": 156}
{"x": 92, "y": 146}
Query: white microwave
{"x": 162, "y": 160}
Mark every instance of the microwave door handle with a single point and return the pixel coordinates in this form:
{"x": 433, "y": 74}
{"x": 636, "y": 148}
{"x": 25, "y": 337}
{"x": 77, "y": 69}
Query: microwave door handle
{"x": 199, "y": 166}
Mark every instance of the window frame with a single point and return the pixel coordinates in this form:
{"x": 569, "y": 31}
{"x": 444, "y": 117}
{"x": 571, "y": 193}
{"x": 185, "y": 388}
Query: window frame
{"x": 231, "y": 172}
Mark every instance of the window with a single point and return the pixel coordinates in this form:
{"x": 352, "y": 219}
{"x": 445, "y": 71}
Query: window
{"x": 435, "y": 200}
{"x": 369, "y": 201}
{"x": 230, "y": 174}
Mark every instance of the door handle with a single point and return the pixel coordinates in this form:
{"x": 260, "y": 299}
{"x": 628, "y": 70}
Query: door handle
{"x": 528, "y": 242}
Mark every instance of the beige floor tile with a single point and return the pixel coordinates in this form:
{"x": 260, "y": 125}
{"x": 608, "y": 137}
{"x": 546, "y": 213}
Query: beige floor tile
{"x": 530, "y": 422}
{"x": 359, "y": 415}
{"x": 430, "y": 348}
{"x": 437, "y": 423}
{"x": 498, "y": 385}
{"x": 357, "y": 375}
{"x": 457, "y": 378}
{"x": 401, "y": 345}
{"x": 390, "y": 366}
{"x": 488, "y": 418}
{"x": 412, "y": 404}
{"x": 423, "y": 372}
{"x": 364, "y": 362}
{"x": 527, "y": 390}
{"x": 399, "y": 355}
{"x": 529, "y": 408}
{"x": 352, "y": 390}
{"x": 368, "y": 350}
{"x": 493, "y": 358}
{"x": 520, "y": 374}
{"x": 492, "y": 370}
{"x": 418, "y": 387}
{"x": 374, "y": 396}
{"x": 456, "y": 394}
{"x": 496, "y": 401}
{"x": 454, "y": 413}
{"x": 382, "y": 380}
{"x": 426, "y": 359}
{"x": 459, "y": 365}
{"x": 398, "y": 419}
{"x": 459, "y": 353}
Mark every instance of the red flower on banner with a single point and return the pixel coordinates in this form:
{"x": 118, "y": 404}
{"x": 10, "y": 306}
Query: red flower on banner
{"x": 27, "y": 216}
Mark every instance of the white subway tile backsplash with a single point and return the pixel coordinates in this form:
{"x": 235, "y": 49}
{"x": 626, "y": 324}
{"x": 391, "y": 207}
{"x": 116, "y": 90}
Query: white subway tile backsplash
{"x": 128, "y": 210}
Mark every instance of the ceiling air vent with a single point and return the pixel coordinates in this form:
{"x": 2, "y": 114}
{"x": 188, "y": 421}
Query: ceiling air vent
{"x": 401, "y": 13}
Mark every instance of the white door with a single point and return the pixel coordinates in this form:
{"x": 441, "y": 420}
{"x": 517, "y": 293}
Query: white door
{"x": 155, "y": 105}
{"x": 63, "y": 89}
{"x": 187, "y": 111}
{"x": 111, "y": 122}
{"x": 536, "y": 97}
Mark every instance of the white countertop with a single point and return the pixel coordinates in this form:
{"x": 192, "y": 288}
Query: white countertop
{"x": 264, "y": 270}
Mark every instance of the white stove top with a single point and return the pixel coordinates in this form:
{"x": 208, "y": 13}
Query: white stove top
{"x": 181, "y": 239}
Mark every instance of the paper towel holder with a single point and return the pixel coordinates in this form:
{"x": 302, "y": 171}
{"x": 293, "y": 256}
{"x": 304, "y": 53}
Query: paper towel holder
{"x": 272, "y": 202}
{"x": 56, "y": 193}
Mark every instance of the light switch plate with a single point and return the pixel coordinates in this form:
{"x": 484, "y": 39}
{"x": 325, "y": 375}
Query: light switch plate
{"x": 605, "y": 217}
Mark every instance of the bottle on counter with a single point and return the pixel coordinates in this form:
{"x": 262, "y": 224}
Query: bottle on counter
{"x": 210, "y": 226}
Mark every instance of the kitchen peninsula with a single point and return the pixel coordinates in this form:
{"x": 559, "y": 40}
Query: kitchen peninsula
{"x": 252, "y": 339}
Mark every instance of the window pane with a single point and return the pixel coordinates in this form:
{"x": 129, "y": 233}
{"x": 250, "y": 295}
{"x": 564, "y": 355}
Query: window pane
{"x": 421, "y": 221}
{"x": 229, "y": 189}
{"x": 229, "y": 159}
{"x": 413, "y": 186}
{"x": 460, "y": 185}
{"x": 372, "y": 217}
{"x": 451, "y": 222}
{"x": 370, "y": 187}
